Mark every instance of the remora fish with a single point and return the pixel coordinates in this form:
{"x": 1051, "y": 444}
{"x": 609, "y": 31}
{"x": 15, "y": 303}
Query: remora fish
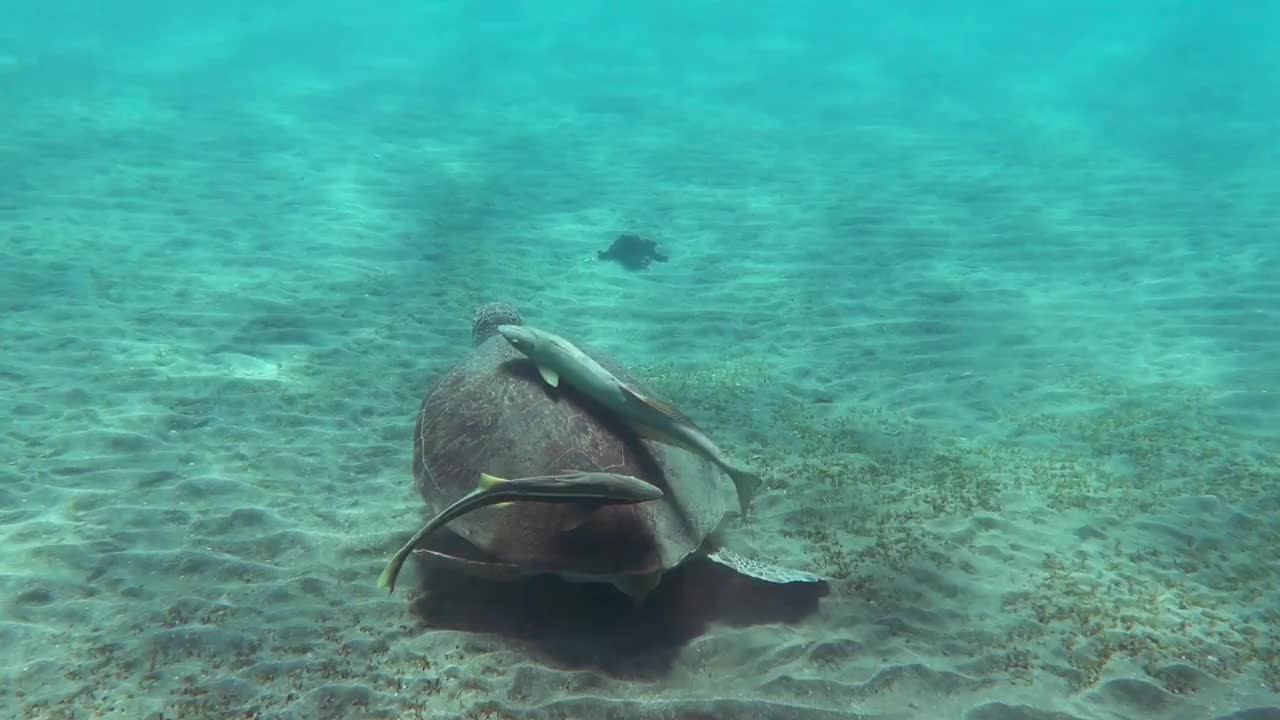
{"x": 558, "y": 358}
{"x": 584, "y": 490}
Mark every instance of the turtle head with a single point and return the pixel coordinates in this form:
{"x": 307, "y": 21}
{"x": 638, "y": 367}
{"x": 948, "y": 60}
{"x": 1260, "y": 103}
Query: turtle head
{"x": 521, "y": 338}
{"x": 487, "y": 317}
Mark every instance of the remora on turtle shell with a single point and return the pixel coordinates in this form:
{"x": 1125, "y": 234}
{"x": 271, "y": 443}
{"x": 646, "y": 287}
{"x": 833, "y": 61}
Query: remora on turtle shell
{"x": 655, "y": 419}
{"x": 583, "y": 491}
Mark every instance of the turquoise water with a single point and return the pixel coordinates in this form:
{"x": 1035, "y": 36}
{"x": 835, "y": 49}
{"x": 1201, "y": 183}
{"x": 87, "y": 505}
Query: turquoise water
{"x": 989, "y": 294}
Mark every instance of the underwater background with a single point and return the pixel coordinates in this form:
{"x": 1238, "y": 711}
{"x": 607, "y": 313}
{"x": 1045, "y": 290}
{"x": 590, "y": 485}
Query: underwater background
{"x": 988, "y": 292}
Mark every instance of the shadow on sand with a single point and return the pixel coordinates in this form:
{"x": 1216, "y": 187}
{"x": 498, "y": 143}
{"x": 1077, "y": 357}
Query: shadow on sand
{"x": 594, "y": 627}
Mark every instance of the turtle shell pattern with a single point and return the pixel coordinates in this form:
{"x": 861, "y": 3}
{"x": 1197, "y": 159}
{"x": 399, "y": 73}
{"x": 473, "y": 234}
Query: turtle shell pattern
{"x": 493, "y": 413}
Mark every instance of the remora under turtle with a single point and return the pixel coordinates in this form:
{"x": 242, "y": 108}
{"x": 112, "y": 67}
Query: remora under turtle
{"x": 492, "y": 414}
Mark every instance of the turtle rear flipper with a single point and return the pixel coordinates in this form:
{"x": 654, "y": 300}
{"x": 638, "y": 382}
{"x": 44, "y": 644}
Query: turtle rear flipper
{"x": 760, "y": 570}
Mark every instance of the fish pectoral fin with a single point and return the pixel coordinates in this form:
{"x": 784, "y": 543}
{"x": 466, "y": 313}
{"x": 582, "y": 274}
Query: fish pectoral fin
{"x": 551, "y": 377}
{"x": 575, "y": 515}
{"x": 638, "y": 587}
{"x": 488, "y": 482}
{"x": 662, "y": 407}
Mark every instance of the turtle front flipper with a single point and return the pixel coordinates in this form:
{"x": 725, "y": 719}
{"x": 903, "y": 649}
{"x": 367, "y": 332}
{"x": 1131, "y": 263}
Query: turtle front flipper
{"x": 760, "y": 570}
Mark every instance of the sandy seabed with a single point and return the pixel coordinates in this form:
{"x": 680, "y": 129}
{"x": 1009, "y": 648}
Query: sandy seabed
{"x": 1033, "y": 454}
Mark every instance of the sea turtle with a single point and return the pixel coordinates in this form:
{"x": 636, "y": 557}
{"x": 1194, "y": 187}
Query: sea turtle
{"x": 492, "y": 414}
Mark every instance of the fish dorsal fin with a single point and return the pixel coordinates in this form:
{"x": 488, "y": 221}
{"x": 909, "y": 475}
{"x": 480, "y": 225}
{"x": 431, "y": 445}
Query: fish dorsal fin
{"x": 662, "y": 407}
{"x": 488, "y": 482}
{"x": 550, "y": 376}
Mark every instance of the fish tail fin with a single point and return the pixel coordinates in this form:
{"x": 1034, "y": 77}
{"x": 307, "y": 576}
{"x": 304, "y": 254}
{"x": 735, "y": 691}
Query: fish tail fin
{"x": 747, "y": 484}
{"x": 387, "y": 580}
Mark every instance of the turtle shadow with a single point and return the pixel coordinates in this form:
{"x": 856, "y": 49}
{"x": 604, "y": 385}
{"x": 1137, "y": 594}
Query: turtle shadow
{"x": 594, "y": 627}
